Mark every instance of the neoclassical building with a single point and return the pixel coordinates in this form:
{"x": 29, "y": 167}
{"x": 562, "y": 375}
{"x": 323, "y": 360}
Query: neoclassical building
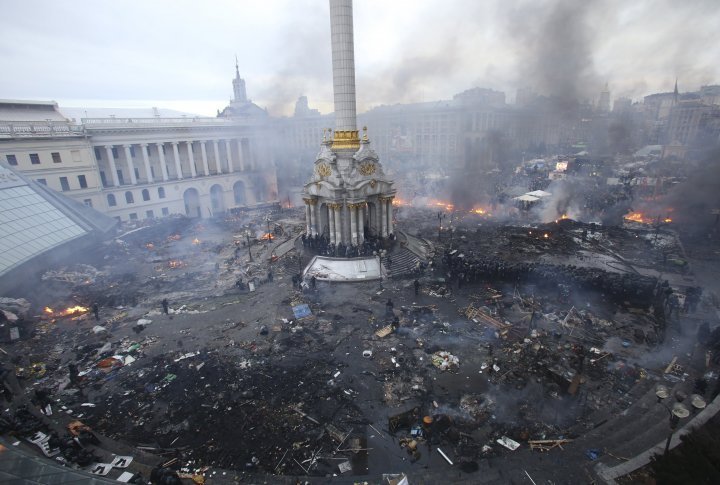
{"x": 348, "y": 195}
{"x": 147, "y": 166}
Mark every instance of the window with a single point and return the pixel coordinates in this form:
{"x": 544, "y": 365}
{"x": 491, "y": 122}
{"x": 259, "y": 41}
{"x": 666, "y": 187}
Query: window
{"x": 75, "y": 155}
{"x": 146, "y": 194}
{"x": 64, "y": 184}
{"x": 82, "y": 181}
{"x": 35, "y": 159}
{"x": 98, "y": 154}
{"x": 87, "y": 202}
{"x": 11, "y": 159}
{"x": 165, "y": 211}
{"x": 161, "y": 192}
{"x": 129, "y": 197}
{"x": 137, "y": 173}
{"x": 111, "y": 200}
{"x": 149, "y": 215}
{"x": 133, "y": 216}
{"x": 41, "y": 181}
{"x": 121, "y": 179}
{"x": 56, "y": 157}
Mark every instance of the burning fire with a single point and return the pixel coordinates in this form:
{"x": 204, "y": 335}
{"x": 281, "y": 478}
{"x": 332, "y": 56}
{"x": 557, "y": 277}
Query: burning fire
{"x": 481, "y": 211}
{"x": 645, "y": 219}
{"x": 398, "y": 202}
{"x": 266, "y": 236}
{"x": 70, "y": 311}
{"x": 175, "y": 264}
{"x": 636, "y": 217}
{"x": 174, "y": 237}
{"x": 196, "y": 241}
{"x": 150, "y": 246}
{"x": 446, "y": 205}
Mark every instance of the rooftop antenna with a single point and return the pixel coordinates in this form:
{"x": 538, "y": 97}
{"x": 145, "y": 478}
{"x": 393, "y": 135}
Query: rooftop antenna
{"x": 237, "y": 67}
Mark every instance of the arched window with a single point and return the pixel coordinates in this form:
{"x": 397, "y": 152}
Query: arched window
{"x": 129, "y": 197}
{"x": 111, "y": 200}
{"x": 146, "y": 194}
{"x": 161, "y": 192}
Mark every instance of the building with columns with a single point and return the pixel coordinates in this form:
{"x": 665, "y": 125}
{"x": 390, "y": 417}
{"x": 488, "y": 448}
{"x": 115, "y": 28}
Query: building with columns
{"x": 349, "y": 196}
{"x": 144, "y": 167}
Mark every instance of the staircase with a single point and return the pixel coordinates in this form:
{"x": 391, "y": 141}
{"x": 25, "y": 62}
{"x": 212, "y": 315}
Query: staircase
{"x": 404, "y": 263}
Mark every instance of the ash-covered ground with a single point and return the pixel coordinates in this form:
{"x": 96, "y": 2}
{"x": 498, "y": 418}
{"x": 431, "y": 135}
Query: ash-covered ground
{"x": 544, "y": 336}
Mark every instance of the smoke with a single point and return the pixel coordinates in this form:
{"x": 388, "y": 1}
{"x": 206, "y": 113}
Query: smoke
{"x": 554, "y": 50}
{"x": 565, "y": 200}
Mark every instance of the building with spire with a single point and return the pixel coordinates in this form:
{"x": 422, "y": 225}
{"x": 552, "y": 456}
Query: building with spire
{"x": 348, "y": 196}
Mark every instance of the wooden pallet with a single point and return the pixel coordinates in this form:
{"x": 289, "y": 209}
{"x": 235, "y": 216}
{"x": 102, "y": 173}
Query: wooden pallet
{"x": 547, "y": 445}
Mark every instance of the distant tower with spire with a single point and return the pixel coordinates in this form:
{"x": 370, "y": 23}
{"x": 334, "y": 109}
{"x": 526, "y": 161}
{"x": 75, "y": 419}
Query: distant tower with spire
{"x": 675, "y": 93}
{"x": 239, "y": 93}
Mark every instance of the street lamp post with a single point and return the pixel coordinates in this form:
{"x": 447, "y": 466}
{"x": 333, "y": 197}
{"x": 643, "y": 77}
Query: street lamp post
{"x": 247, "y": 236}
{"x": 677, "y": 412}
{"x": 440, "y": 216}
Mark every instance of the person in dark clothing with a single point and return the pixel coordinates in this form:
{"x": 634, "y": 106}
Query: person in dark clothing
{"x": 96, "y": 311}
{"x": 166, "y": 306}
{"x": 416, "y": 284}
{"x": 389, "y": 307}
{"x": 270, "y": 276}
{"x": 313, "y": 282}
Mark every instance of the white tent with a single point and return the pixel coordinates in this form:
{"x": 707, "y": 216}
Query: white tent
{"x": 526, "y": 198}
{"x": 539, "y": 193}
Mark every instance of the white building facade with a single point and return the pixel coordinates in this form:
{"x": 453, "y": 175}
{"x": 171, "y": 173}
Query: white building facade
{"x": 139, "y": 168}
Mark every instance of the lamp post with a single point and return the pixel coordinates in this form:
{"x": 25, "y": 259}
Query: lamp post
{"x": 269, "y": 236}
{"x": 247, "y": 236}
{"x": 440, "y": 218}
{"x": 677, "y": 412}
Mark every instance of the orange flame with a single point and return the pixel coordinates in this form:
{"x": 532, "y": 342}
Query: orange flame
{"x": 636, "y": 217}
{"x": 48, "y": 310}
{"x": 667, "y": 220}
{"x": 150, "y": 246}
{"x": 196, "y": 241}
{"x": 267, "y": 236}
{"x": 176, "y": 263}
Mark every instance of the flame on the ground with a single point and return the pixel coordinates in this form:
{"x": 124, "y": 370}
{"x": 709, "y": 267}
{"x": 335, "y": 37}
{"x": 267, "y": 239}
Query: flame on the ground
{"x": 667, "y": 220}
{"x": 196, "y": 241}
{"x": 69, "y": 311}
{"x": 174, "y": 237}
{"x": 176, "y": 263}
{"x": 445, "y": 205}
{"x": 481, "y": 211}
{"x": 398, "y": 202}
{"x": 150, "y": 245}
{"x": 546, "y": 235}
{"x": 637, "y": 217}
{"x": 266, "y": 236}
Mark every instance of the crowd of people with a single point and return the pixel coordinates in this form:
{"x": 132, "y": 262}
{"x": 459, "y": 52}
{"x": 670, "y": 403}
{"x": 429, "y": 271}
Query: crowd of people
{"x": 321, "y": 245}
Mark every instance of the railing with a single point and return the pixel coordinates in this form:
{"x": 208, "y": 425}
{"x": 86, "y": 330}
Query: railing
{"x": 155, "y": 121}
{"x": 34, "y": 129}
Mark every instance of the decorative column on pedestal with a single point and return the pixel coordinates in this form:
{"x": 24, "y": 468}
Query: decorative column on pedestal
{"x": 240, "y": 154}
{"x": 191, "y": 159}
{"x": 130, "y": 165}
{"x": 216, "y": 148}
{"x": 228, "y": 151}
{"x": 163, "y": 162}
{"x": 203, "y": 153}
{"x": 391, "y": 225}
{"x": 113, "y": 168}
{"x": 308, "y": 217}
{"x": 338, "y": 222}
{"x": 331, "y": 224}
{"x": 146, "y": 162}
{"x": 176, "y": 155}
{"x": 353, "y": 223}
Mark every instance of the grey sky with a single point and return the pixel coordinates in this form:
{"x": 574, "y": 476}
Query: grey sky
{"x": 180, "y": 54}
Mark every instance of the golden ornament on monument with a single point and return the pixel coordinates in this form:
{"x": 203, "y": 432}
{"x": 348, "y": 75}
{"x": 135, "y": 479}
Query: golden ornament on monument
{"x": 323, "y": 170}
{"x": 367, "y": 168}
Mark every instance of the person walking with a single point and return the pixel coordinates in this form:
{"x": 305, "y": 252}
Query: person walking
{"x": 416, "y": 284}
{"x": 96, "y": 311}
{"x": 166, "y": 306}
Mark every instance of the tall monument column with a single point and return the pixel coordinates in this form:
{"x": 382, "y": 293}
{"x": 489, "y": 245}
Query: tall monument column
{"x": 343, "y": 60}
